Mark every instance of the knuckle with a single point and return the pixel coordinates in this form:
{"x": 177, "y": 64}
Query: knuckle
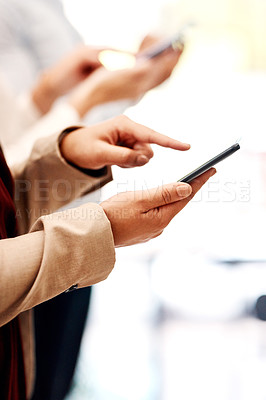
{"x": 123, "y": 118}
{"x": 141, "y": 201}
{"x": 156, "y": 220}
{"x": 125, "y": 158}
{"x": 147, "y": 151}
{"x": 197, "y": 182}
{"x": 150, "y": 153}
{"x": 120, "y": 121}
{"x": 166, "y": 195}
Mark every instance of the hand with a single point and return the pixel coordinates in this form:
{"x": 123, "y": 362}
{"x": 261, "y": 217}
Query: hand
{"x": 163, "y": 63}
{"x": 65, "y": 75}
{"x": 74, "y": 68}
{"x": 118, "y": 141}
{"x": 105, "y": 86}
{"x": 137, "y": 217}
{"x": 147, "y": 42}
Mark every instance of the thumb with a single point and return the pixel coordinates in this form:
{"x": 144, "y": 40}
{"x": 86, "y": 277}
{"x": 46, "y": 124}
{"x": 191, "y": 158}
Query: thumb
{"x": 124, "y": 157}
{"x": 163, "y": 195}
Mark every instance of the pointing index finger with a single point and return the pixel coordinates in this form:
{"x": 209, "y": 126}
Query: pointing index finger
{"x": 166, "y": 141}
{"x": 147, "y": 135}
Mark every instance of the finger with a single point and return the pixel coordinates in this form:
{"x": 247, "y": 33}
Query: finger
{"x": 98, "y": 49}
{"x": 155, "y": 198}
{"x": 85, "y": 54}
{"x": 177, "y": 51}
{"x": 124, "y": 156}
{"x": 158, "y": 48}
{"x": 144, "y": 148}
{"x": 201, "y": 180}
{"x": 168, "y": 59}
{"x": 169, "y": 211}
{"x": 164, "y": 65}
{"x": 147, "y": 42}
{"x": 90, "y": 67}
{"x": 143, "y": 134}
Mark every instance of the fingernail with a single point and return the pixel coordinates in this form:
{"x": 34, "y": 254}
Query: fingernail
{"x": 141, "y": 160}
{"x": 184, "y": 190}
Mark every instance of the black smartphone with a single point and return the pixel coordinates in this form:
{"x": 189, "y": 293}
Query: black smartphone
{"x": 204, "y": 167}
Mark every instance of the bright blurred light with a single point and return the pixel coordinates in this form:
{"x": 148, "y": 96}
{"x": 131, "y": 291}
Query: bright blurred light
{"x": 115, "y": 60}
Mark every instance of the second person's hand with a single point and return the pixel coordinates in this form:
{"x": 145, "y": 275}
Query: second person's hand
{"x": 67, "y": 73}
{"x": 105, "y": 86}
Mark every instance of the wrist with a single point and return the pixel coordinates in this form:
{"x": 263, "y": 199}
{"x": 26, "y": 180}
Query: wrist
{"x": 66, "y": 149}
{"x": 70, "y": 154}
{"x": 44, "y": 93}
{"x": 84, "y": 98}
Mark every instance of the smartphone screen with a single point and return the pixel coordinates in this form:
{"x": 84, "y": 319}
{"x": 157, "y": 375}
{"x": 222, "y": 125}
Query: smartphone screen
{"x": 215, "y": 160}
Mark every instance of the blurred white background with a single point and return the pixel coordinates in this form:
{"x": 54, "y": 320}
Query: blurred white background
{"x": 176, "y": 320}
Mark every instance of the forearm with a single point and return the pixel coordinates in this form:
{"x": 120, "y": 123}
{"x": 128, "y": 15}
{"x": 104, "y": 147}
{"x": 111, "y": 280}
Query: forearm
{"x": 74, "y": 247}
{"x": 55, "y": 120}
{"x": 44, "y": 93}
{"x": 85, "y": 97}
{"x": 17, "y": 113}
{"x": 46, "y": 182}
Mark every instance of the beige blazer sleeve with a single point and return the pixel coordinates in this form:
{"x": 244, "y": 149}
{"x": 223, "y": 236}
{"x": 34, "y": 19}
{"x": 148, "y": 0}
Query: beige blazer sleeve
{"x": 70, "y": 248}
{"x": 46, "y": 182}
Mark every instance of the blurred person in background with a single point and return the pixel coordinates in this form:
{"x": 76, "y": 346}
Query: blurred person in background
{"x": 34, "y": 36}
{"x": 88, "y": 84}
{"x": 25, "y": 112}
{"x": 73, "y": 248}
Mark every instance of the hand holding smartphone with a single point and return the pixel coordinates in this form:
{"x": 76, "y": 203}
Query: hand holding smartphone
{"x": 116, "y": 59}
{"x": 175, "y": 42}
{"x": 213, "y": 161}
